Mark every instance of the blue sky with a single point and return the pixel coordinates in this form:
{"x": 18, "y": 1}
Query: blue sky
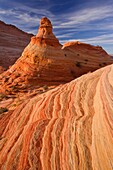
{"x": 89, "y": 21}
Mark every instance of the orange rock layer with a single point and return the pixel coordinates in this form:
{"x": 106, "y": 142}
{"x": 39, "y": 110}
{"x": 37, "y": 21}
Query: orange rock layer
{"x": 67, "y": 128}
{"x": 46, "y": 62}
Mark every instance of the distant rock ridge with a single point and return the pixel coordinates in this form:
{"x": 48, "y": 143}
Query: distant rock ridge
{"x": 3, "y": 24}
{"x": 12, "y": 43}
{"x": 46, "y": 61}
{"x": 69, "y": 127}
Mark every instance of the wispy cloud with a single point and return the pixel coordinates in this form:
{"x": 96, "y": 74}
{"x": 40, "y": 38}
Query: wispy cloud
{"x": 19, "y": 17}
{"x": 94, "y": 23}
{"x": 78, "y": 20}
{"x": 102, "y": 39}
{"x": 88, "y": 15}
{"x": 98, "y": 19}
{"x": 24, "y": 17}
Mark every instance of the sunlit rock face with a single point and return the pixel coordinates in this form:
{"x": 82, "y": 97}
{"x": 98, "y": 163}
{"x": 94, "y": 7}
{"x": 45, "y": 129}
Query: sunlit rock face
{"x": 45, "y": 34}
{"x": 12, "y": 43}
{"x": 46, "y": 61}
{"x": 68, "y": 128}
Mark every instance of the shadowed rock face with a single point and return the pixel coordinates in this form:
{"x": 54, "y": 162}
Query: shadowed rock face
{"x": 69, "y": 127}
{"x": 1, "y": 69}
{"x": 12, "y": 43}
{"x": 46, "y": 61}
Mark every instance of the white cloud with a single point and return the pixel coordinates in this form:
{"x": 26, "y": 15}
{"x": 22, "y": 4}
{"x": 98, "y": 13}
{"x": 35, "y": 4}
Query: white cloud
{"x": 89, "y": 14}
{"x": 102, "y": 39}
{"x": 23, "y": 16}
{"x": 85, "y": 16}
{"x": 71, "y": 23}
{"x": 79, "y": 20}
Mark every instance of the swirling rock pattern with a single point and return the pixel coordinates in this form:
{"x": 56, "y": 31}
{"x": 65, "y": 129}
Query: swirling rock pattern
{"x": 67, "y": 128}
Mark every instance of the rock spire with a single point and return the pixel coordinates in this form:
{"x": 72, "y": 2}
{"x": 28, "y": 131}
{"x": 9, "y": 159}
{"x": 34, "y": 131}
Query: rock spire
{"x": 45, "y": 34}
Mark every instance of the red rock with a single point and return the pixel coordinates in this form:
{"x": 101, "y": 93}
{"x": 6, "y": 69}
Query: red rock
{"x": 1, "y": 69}
{"x": 12, "y": 43}
{"x": 69, "y": 127}
{"x": 45, "y": 34}
{"x": 46, "y": 62}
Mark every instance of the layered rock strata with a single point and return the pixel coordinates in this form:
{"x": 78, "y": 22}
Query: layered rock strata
{"x": 67, "y": 128}
{"x": 46, "y": 61}
{"x": 12, "y": 43}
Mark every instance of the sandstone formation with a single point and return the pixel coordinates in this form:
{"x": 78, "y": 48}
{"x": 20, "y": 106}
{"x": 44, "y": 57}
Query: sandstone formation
{"x": 12, "y": 43}
{"x": 46, "y": 62}
{"x": 1, "y": 69}
{"x": 67, "y": 128}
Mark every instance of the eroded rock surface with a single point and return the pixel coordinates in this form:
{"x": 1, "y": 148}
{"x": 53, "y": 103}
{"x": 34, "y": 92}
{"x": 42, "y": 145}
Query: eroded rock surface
{"x": 46, "y": 62}
{"x": 12, "y": 43}
{"x": 1, "y": 69}
{"x": 67, "y": 128}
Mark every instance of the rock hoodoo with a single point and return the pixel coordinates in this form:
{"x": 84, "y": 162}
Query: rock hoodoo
{"x": 46, "y": 61}
{"x": 45, "y": 34}
{"x": 69, "y": 127}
